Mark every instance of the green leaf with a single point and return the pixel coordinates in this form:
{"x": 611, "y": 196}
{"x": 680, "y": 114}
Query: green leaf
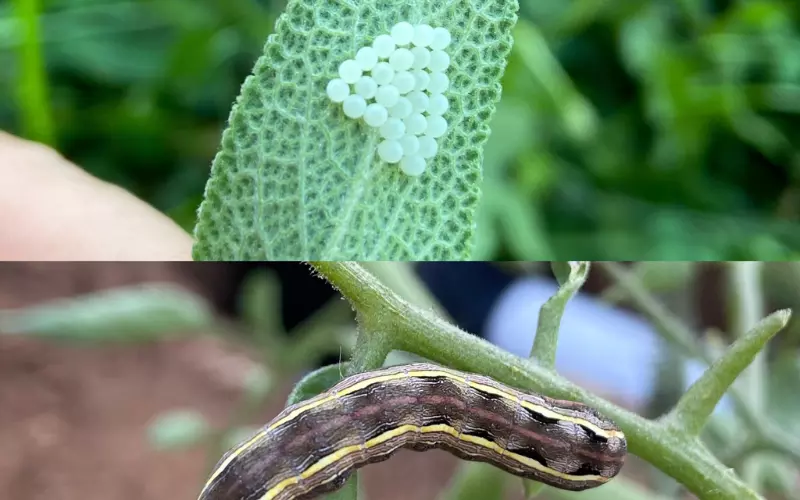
{"x": 297, "y": 180}
{"x": 532, "y": 488}
{"x": 261, "y": 303}
{"x": 571, "y": 276}
{"x": 350, "y": 490}
{"x": 258, "y": 384}
{"x": 316, "y": 382}
{"x": 521, "y": 223}
{"x": 178, "y": 429}
{"x": 695, "y": 407}
{"x": 137, "y": 313}
{"x": 476, "y": 481}
{"x": 577, "y": 116}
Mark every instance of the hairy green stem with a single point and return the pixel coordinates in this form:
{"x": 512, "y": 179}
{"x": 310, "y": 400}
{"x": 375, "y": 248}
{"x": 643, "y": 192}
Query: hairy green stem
{"x": 415, "y": 330}
{"x": 676, "y": 332}
{"x": 545, "y": 343}
{"x": 370, "y": 351}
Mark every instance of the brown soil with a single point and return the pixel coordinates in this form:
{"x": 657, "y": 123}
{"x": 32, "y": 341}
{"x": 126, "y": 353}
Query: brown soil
{"x": 74, "y": 420}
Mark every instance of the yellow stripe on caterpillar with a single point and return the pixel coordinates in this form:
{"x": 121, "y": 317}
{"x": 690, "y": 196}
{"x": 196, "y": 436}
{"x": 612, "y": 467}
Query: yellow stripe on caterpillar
{"x": 419, "y": 406}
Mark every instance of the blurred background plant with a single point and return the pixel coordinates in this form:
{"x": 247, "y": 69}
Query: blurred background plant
{"x": 636, "y": 334}
{"x": 627, "y": 130}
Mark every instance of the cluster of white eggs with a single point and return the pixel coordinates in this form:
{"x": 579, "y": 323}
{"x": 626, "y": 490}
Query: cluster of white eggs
{"x": 404, "y": 74}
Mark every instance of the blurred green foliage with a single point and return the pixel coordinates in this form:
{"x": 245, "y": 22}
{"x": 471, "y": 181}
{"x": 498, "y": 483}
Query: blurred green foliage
{"x": 628, "y": 129}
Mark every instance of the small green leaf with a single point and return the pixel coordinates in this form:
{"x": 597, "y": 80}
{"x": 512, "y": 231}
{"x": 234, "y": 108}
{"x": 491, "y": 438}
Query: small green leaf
{"x": 178, "y": 429}
{"x": 137, "y": 313}
{"x": 695, "y": 407}
{"x": 572, "y": 276}
{"x": 316, "y": 382}
{"x": 476, "y": 481}
{"x": 297, "y": 180}
{"x": 258, "y": 384}
{"x": 532, "y": 489}
{"x": 350, "y": 490}
{"x": 522, "y": 225}
{"x": 261, "y": 303}
{"x": 578, "y": 117}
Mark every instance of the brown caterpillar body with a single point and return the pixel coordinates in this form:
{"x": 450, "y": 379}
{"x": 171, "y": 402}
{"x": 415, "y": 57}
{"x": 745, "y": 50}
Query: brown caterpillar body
{"x": 310, "y": 448}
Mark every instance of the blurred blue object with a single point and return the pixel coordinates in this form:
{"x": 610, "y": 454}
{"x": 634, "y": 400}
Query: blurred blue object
{"x": 605, "y": 349}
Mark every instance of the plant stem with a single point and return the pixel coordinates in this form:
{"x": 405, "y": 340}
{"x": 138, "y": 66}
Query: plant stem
{"x": 32, "y": 94}
{"x": 418, "y": 331}
{"x": 673, "y": 330}
{"x": 545, "y": 344}
{"x": 695, "y": 407}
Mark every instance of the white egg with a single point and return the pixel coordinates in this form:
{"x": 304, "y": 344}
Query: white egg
{"x": 366, "y": 87}
{"x": 387, "y": 95}
{"x": 428, "y": 147}
{"x": 439, "y": 83}
{"x": 402, "y": 33}
{"x": 402, "y": 109}
{"x": 404, "y": 81}
{"x": 375, "y": 115}
{"x": 416, "y": 124}
{"x": 423, "y": 35}
{"x": 441, "y": 39}
{"x": 423, "y": 78}
{"x": 413, "y": 165}
{"x": 337, "y": 90}
{"x": 437, "y": 126}
{"x": 383, "y": 73}
{"x": 350, "y": 71}
{"x": 354, "y": 106}
{"x": 367, "y": 58}
{"x": 438, "y": 105}
{"x": 439, "y": 61}
{"x": 390, "y": 151}
{"x": 422, "y": 57}
{"x": 393, "y": 129}
{"x": 419, "y": 101}
{"x": 401, "y": 60}
{"x": 410, "y": 144}
{"x": 384, "y": 46}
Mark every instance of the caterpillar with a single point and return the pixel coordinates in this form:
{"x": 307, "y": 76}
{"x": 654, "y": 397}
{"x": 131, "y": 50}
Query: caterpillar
{"x": 311, "y": 447}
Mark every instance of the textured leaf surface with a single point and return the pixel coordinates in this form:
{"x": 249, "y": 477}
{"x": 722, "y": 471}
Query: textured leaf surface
{"x": 297, "y": 180}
